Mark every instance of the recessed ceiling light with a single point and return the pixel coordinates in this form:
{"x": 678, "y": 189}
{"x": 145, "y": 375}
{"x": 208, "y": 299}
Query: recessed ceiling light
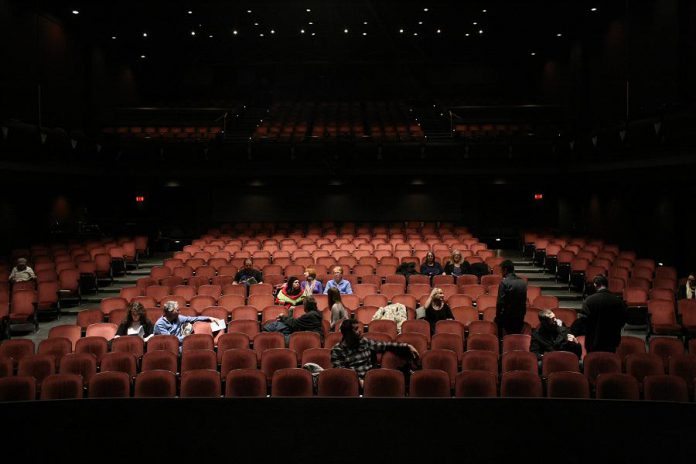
{"x": 143, "y": 56}
{"x": 210, "y": 36}
{"x": 76, "y": 12}
{"x": 249, "y": 11}
{"x": 593, "y": 9}
{"x": 401, "y": 31}
{"x": 313, "y": 34}
{"x": 256, "y": 24}
{"x": 484, "y": 11}
{"x": 235, "y": 32}
{"x": 415, "y": 33}
{"x": 497, "y": 239}
{"x": 261, "y": 35}
{"x": 144, "y": 34}
{"x": 559, "y": 35}
{"x": 345, "y": 31}
{"x": 301, "y": 31}
{"x": 467, "y": 34}
{"x": 365, "y": 23}
{"x": 475, "y": 23}
{"x": 364, "y": 33}
{"x": 310, "y": 23}
{"x": 533, "y": 53}
{"x": 190, "y": 12}
{"x": 113, "y": 37}
{"x": 480, "y": 31}
{"x": 425, "y": 9}
{"x": 272, "y": 31}
{"x": 420, "y": 22}
{"x": 193, "y": 32}
{"x": 439, "y": 31}
{"x": 309, "y": 10}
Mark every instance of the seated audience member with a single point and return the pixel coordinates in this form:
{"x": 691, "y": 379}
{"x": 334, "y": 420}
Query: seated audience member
{"x": 553, "y": 335}
{"x": 687, "y": 291}
{"x": 310, "y": 321}
{"x": 355, "y": 352}
{"x": 430, "y": 267}
{"x": 290, "y": 294}
{"x": 436, "y": 309}
{"x": 456, "y": 265}
{"x": 136, "y": 323}
{"x": 311, "y": 286}
{"x": 338, "y": 282}
{"x": 338, "y": 311}
{"x": 21, "y": 272}
{"x": 248, "y": 275}
{"x": 171, "y": 323}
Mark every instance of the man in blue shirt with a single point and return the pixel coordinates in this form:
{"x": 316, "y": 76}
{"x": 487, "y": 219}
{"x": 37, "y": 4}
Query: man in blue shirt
{"x": 343, "y": 286}
{"x": 171, "y": 323}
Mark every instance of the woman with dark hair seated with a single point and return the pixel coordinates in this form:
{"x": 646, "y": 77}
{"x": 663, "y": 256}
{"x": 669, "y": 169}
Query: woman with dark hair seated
{"x": 430, "y": 267}
{"x": 136, "y": 323}
{"x": 290, "y": 294}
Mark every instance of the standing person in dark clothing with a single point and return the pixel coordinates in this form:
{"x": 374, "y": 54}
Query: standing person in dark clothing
{"x": 436, "y": 309}
{"x": 552, "y": 335}
{"x": 601, "y": 318}
{"x": 512, "y": 301}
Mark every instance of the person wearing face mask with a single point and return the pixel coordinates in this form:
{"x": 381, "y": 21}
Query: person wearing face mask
{"x": 311, "y": 286}
{"x": 687, "y": 291}
{"x": 21, "y": 272}
{"x": 290, "y": 294}
{"x": 552, "y": 335}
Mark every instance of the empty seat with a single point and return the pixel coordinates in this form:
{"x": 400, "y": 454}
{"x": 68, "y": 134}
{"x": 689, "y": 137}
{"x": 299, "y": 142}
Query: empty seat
{"x": 163, "y": 342}
{"x": 516, "y": 342}
{"x": 385, "y": 383}
{"x": 292, "y": 382}
{"x": 338, "y": 382}
{"x": 83, "y": 364}
{"x": 119, "y": 361}
{"x": 430, "y": 383}
{"x": 443, "y": 359}
{"x": 200, "y": 383}
{"x": 600, "y": 362}
{"x": 155, "y": 384}
{"x": 485, "y": 342}
{"x": 273, "y": 359}
{"x": 61, "y": 387}
{"x": 110, "y": 385}
{"x": 16, "y": 349}
{"x": 520, "y": 384}
{"x": 245, "y": 383}
{"x": 57, "y": 347}
{"x": 198, "y": 359}
{"x": 159, "y": 360}
{"x": 666, "y": 347}
{"x": 640, "y": 365}
{"x": 563, "y": 384}
{"x": 17, "y": 388}
{"x": 519, "y": 361}
{"x": 665, "y": 388}
{"x": 38, "y": 366}
{"x": 557, "y": 361}
{"x": 617, "y": 386}
{"x": 476, "y": 384}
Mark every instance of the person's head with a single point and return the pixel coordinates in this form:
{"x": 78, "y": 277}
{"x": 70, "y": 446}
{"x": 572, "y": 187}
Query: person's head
{"x": 438, "y": 294}
{"x": 21, "y": 264}
{"x": 456, "y": 257}
{"x": 600, "y": 281}
{"x": 547, "y": 318}
{"x": 171, "y": 310}
{"x": 350, "y": 329}
{"x": 338, "y": 273}
{"x": 293, "y": 285}
{"x": 334, "y": 296}
{"x": 136, "y": 313}
{"x": 691, "y": 280}
{"x": 248, "y": 263}
{"x": 430, "y": 258}
{"x": 310, "y": 304}
{"x": 507, "y": 267}
{"x": 310, "y": 274}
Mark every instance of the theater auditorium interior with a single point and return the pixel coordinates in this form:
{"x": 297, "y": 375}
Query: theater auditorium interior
{"x": 148, "y": 148}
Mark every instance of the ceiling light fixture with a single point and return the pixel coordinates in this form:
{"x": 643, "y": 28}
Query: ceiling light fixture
{"x": 249, "y": 11}
{"x": 415, "y": 33}
{"x": 144, "y": 34}
{"x": 425, "y": 9}
{"x": 301, "y": 31}
{"x": 593, "y": 9}
{"x": 345, "y": 31}
{"x": 439, "y": 31}
{"x": 559, "y": 35}
{"x": 313, "y": 34}
{"x": 364, "y": 33}
{"x": 190, "y": 12}
{"x": 235, "y": 32}
{"x": 76, "y": 12}
{"x": 309, "y": 10}
{"x": 533, "y": 53}
{"x": 272, "y": 31}
{"x": 401, "y": 31}
{"x": 113, "y": 37}
{"x": 193, "y": 32}
{"x": 261, "y": 35}
{"x": 484, "y": 11}
{"x": 143, "y": 56}
{"x": 480, "y": 31}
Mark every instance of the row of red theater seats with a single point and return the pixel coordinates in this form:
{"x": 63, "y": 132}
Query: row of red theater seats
{"x": 379, "y": 383}
{"x": 520, "y": 365}
{"x": 490, "y": 130}
{"x": 165, "y": 132}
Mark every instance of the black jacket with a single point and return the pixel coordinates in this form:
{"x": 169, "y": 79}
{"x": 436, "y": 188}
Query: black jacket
{"x": 464, "y": 265}
{"x": 512, "y": 303}
{"x": 547, "y": 339}
{"x": 310, "y": 322}
{"x": 148, "y": 327}
{"x": 604, "y": 315}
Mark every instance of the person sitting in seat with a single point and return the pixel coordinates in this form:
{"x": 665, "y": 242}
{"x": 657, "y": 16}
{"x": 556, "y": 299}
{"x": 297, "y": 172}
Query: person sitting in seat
{"x": 21, "y": 272}
{"x": 338, "y": 282}
{"x": 456, "y": 265}
{"x": 290, "y": 294}
{"x": 311, "y": 286}
{"x": 553, "y": 335}
{"x": 171, "y": 323}
{"x": 436, "y": 309}
{"x": 136, "y": 323}
{"x": 687, "y": 291}
{"x": 310, "y": 321}
{"x": 248, "y": 275}
{"x": 430, "y": 267}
